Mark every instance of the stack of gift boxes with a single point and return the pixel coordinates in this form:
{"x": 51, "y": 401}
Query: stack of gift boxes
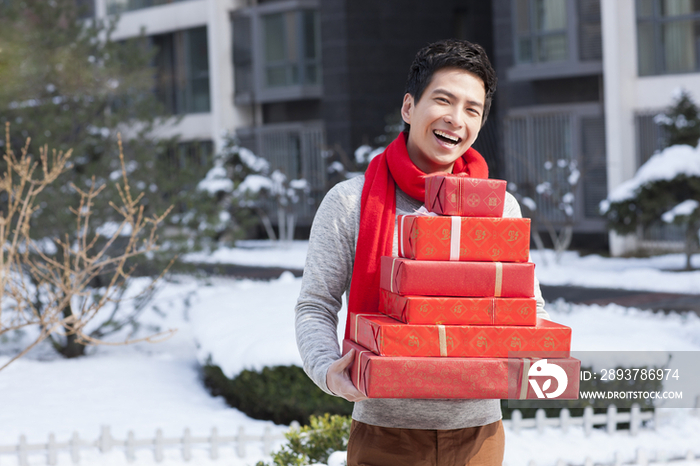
{"x": 458, "y": 313}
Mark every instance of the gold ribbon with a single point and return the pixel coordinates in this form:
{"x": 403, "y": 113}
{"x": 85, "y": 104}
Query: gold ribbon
{"x": 524, "y": 379}
{"x": 401, "y": 236}
{"x": 391, "y": 282}
{"x": 443, "y": 340}
{"x": 499, "y": 279}
{"x": 358, "y": 362}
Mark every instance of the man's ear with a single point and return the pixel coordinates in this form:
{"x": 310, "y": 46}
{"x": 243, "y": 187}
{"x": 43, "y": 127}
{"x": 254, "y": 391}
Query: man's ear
{"x": 407, "y": 108}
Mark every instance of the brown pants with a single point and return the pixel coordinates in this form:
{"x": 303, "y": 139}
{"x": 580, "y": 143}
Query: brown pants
{"x": 383, "y": 446}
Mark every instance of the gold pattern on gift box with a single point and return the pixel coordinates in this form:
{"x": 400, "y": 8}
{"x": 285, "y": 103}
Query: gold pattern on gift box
{"x": 549, "y": 342}
{"x": 493, "y": 184}
{"x": 524, "y": 311}
{"x": 513, "y": 235}
{"x": 495, "y": 252}
{"x": 429, "y": 250}
{"x": 474, "y": 181}
{"x": 425, "y": 308}
{"x": 445, "y": 234}
{"x": 515, "y": 342}
{"x": 493, "y": 201}
{"x": 459, "y": 308}
{"x": 478, "y": 233}
{"x": 413, "y": 340}
{"x": 482, "y": 342}
{"x": 473, "y": 200}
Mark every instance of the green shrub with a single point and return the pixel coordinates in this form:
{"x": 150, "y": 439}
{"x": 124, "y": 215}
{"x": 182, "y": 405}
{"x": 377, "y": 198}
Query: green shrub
{"x": 281, "y": 394}
{"x": 314, "y": 443}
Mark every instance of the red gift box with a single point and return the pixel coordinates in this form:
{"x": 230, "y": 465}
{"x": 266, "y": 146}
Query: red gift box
{"x": 425, "y": 237}
{"x": 464, "y": 196}
{"x": 460, "y": 378}
{"x": 389, "y": 337}
{"x": 451, "y": 278}
{"x": 455, "y": 311}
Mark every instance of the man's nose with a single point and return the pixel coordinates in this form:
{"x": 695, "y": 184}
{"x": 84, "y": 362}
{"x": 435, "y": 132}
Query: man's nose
{"x": 453, "y": 117}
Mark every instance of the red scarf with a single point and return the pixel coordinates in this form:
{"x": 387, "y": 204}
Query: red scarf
{"x": 378, "y": 214}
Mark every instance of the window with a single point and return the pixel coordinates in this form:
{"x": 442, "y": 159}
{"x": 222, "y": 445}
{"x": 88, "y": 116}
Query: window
{"x": 540, "y": 31}
{"x": 291, "y": 48}
{"x": 539, "y": 145}
{"x": 182, "y": 76}
{"x": 668, "y": 36}
{"x": 119, "y": 6}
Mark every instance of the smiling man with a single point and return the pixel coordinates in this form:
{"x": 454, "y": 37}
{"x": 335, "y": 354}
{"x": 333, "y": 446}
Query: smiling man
{"x": 448, "y": 96}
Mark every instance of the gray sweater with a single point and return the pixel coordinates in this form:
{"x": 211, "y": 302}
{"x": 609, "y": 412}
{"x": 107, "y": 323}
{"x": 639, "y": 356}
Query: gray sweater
{"x": 327, "y": 275}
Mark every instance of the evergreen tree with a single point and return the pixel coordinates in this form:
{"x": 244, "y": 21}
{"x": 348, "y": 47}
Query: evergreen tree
{"x": 67, "y": 84}
{"x": 681, "y": 121}
{"x": 654, "y": 193}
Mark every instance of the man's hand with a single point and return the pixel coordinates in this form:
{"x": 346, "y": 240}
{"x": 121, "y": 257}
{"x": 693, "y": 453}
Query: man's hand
{"x": 338, "y": 379}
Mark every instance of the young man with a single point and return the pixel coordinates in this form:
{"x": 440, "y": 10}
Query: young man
{"x": 448, "y": 95}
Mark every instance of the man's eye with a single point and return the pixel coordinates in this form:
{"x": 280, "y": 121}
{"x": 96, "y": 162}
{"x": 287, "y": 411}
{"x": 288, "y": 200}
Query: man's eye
{"x": 442, "y": 99}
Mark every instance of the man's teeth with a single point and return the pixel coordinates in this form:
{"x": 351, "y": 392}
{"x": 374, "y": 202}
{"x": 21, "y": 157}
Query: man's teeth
{"x": 450, "y": 138}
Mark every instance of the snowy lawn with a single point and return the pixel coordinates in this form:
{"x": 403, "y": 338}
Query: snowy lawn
{"x": 246, "y": 324}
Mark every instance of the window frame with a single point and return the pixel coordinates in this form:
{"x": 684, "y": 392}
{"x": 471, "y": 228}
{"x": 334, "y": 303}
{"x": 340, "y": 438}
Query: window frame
{"x": 657, "y": 22}
{"x": 260, "y": 92}
{"x": 572, "y": 66}
{"x": 179, "y": 100}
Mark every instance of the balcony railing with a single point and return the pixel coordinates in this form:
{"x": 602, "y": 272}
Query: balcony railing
{"x": 296, "y": 150}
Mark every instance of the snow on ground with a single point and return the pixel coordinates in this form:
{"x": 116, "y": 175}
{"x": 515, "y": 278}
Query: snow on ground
{"x": 659, "y": 273}
{"x": 256, "y": 253}
{"x": 247, "y": 324}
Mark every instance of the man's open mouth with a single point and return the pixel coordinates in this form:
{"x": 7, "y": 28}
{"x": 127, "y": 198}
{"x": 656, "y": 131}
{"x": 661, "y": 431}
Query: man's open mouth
{"x": 449, "y": 139}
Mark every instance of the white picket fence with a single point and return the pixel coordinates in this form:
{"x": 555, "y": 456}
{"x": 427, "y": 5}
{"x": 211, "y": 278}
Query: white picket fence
{"x": 241, "y": 440}
{"x": 589, "y": 420}
{"x": 643, "y": 458}
{"x": 106, "y": 442}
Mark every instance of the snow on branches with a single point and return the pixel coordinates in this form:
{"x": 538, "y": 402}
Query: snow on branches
{"x": 242, "y": 181}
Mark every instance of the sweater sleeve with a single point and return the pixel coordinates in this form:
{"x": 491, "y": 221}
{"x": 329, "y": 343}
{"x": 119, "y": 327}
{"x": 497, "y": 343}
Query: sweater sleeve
{"x": 327, "y": 274}
{"x": 512, "y": 209}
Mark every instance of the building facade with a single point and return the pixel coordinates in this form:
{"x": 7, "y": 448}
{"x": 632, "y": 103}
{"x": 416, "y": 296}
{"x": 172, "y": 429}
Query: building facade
{"x": 301, "y": 81}
{"x": 582, "y": 80}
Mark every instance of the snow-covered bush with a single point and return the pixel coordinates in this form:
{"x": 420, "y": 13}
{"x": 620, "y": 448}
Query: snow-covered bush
{"x": 244, "y": 186}
{"x": 666, "y": 188}
{"x": 556, "y": 185}
{"x": 343, "y": 167}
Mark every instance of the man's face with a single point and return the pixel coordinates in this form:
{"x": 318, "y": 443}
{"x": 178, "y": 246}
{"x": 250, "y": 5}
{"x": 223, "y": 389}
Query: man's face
{"x": 446, "y": 120}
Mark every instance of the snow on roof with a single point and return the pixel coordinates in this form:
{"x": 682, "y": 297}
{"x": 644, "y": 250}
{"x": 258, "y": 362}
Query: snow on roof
{"x": 664, "y": 165}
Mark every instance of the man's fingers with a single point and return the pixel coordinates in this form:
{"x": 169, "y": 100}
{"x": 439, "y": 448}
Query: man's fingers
{"x": 346, "y": 360}
{"x": 338, "y": 380}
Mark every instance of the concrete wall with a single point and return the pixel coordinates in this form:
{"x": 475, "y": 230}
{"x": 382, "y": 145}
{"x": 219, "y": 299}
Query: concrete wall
{"x": 214, "y": 14}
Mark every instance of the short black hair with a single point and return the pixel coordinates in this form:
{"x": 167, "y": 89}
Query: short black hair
{"x": 451, "y": 53}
